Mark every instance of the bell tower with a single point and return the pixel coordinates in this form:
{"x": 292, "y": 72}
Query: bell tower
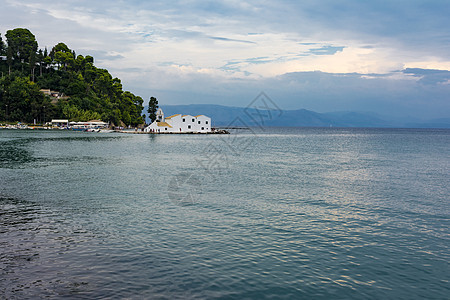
{"x": 159, "y": 115}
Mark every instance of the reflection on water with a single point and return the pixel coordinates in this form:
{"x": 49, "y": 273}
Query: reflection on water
{"x": 17, "y": 230}
{"x": 43, "y": 151}
{"x": 34, "y": 242}
{"x": 14, "y": 154}
{"x": 302, "y": 213}
{"x": 15, "y": 213}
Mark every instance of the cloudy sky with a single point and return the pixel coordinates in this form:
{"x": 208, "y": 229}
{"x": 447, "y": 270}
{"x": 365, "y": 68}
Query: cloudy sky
{"x": 388, "y": 57}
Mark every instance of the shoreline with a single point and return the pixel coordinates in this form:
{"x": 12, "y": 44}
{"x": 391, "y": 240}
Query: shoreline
{"x": 217, "y": 131}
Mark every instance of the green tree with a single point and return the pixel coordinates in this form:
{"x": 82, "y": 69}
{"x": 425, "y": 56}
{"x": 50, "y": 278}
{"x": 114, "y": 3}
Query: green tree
{"x": 40, "y": 59}
{"x": 32, "y": 64}
{"x": 63, "y": 56}
{"x": 23, "y": 99}
{"x": 126, "y": 118}
{"x": 2, "y": 46}
{"x": 152, "y": 108}
{"x": 3, "y": 65}
{"x": 47, "y": 61}
{"x": 60, "y": 47}
{"x": 9, "y": 59}
{"x": 22, "y": 47}
{"x": 89, "y": 92}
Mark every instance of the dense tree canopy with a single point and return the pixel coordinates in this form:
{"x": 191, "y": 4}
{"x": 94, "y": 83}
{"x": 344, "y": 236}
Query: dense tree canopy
{"x": 85, "y": 91}
{"x": 21, "y": 50}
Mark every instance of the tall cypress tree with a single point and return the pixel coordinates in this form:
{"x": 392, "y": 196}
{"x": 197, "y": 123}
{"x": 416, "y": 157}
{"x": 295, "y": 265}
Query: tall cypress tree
{"x": 152, "y": 107}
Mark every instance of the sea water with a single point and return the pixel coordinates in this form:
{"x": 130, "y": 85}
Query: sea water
{"x": 279, "y": 213}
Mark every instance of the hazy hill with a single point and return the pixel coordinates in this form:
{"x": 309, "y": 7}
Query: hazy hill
{"x": 225, "y": 115}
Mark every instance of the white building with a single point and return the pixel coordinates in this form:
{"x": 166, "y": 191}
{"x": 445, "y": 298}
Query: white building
{"x": 179, "y": 123}
{"x": 93, "y": 124}
{"x": 60, "y": 123}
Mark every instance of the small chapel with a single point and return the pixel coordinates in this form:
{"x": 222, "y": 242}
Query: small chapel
{"x": 179, "y": 123}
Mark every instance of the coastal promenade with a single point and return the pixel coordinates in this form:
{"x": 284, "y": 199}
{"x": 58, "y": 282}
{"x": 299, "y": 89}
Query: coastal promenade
{"x": 218, "y": 131}
{"x": 130, "y": 131}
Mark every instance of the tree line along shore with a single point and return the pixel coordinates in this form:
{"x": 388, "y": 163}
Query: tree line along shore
{"x": 37, "y": 85}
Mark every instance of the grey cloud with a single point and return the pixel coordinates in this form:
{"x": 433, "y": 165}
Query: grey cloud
{"x": 416, "y": 27}
{"x": 326, "y": 50}
{"x": 317, "y": 91}
{"x": 429, "y": 76}
{"x": 231, "y": 40}
{"x": 104, "y": 55}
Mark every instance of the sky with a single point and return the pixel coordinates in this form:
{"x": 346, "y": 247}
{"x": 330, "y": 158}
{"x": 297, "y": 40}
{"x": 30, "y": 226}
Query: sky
{"x": 389, "y": 57}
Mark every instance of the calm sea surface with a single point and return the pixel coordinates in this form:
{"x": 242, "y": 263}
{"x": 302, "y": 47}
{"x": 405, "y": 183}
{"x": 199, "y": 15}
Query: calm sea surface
{"x": 280, "y": 214}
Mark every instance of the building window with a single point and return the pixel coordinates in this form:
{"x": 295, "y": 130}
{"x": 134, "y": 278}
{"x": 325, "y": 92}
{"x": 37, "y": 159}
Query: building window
{"x": 184, "y": 120}
{"x": 198, "y": 122}
{"x": 165, "y": 128}
{"x": 193, "y": 120}
{"x": 206, "y": 122}
{"x": 203, "y": 128}
{"x": 189, "y": 126}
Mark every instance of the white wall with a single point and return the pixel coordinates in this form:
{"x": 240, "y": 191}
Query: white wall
{"x": 202, "y": 124}
{"x": 183, "y": 123}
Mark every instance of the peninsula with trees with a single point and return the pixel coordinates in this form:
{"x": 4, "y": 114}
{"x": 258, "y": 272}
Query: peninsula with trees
{"x": 37, "y": 85}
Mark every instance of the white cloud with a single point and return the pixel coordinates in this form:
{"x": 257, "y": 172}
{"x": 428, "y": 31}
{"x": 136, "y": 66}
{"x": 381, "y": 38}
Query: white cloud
{"x": 191, "y": 33}
{"x": 432, "y": 63}
{"x": 243, "y": 46}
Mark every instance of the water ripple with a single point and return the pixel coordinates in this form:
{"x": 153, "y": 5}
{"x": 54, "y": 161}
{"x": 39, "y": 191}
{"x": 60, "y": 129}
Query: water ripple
{"x": 323, "y": 214}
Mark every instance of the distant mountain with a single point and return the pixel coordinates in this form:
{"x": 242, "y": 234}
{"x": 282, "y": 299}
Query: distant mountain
{"x": 239, "y": 116}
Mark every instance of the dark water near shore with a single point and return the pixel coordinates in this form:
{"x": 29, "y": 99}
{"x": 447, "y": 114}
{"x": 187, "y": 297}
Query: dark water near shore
{"x": 281, "y": 214}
